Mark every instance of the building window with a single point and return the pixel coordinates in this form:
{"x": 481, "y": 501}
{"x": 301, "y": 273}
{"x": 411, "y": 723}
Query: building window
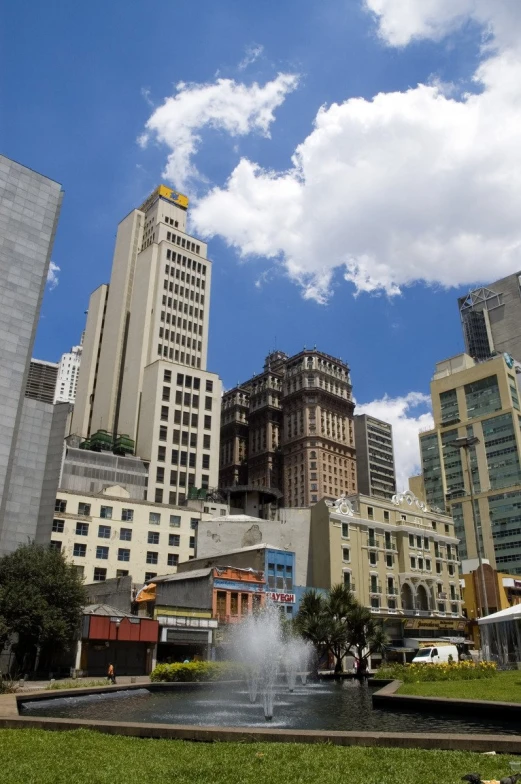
{"x": 102, "y": 552}
{"x": 121, "y": 572}
{"x": 206, "y": 462}
{"x": 375, "y": 602}
{"x": 373, "y": 557}
{"x": 152, "y": 557}
{"x": 441, "y": 607}
{"x": 106, "y": 513}
{"x": 172, "y": 559}
{"x": 175, "y": 521}
{"x": 160, "y": 474}
{"x": 413, "y": 562}
{"x": 55, "y": 545}
{"x": 104, "y": 531}
{"x": 346, "y": 554}
{"x": 194, "y": 522}
{"x": 154, "y": 518}
{"x": 99, "y": 574}
{"x": 150, "y": 576}
{"x": 167, "y": 376}
{"x": 389, "y": 560}
{"x": 123, "y": 554}
{"x": 60, "y": 506}
{"x": 163, "y": 431}
{"x": 80, "y": 550}
{"x": 82, "y": 529}
{"x": 84, "y": 509}
{"x": 153, "y": 537}
{"x": 127, "y": 515}
{"x": 209, "y": 385}
{"x": 125, "y": 534}
{"x": 411, "y": 540}
{"x": 370, "y": 513}
{"x": 174, "y": 540}
{"x": 345, "y": 530}
{"x": 192, "y": 542}
{"x": 158, "y": 497}
{"x": 58, "y": 526}
{"x": 207, "y": 425}
{"x": 386, "y": 516}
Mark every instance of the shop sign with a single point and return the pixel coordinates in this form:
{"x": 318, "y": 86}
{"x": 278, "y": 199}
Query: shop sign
{"x": 517, "y": 583}
{"x": 238, "y": 585}
{"x": 434, "y": 623}
{"x": 282, "y": 598}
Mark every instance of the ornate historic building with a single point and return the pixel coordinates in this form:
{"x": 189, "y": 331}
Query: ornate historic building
{"x": 290, "y": 429}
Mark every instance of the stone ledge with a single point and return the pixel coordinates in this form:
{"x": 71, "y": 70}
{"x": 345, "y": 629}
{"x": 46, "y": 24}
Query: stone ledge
{"x": 505, "y": 744}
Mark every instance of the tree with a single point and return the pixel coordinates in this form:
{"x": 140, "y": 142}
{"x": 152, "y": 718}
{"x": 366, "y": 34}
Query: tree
{"x": 337, "y": 624}
{"x": 365, "y": 636}
{"x": 41, "y": 601}
{"x": 322, "y": 620}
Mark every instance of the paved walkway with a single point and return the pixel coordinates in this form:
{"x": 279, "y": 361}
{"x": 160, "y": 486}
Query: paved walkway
{"x": 120, "y": 681}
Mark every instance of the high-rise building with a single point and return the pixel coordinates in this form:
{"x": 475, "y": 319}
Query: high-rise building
{"x": 375, "y": 471}
{"x": 143, "y": 373}
{"x": 41, "y": 382}
{"x": 477, "y": 400}
{"x": 29, "y": 208}
{"x": 290, "y": 428}
{"x": 491, "y": 319}
{"x": 67, "y": 376}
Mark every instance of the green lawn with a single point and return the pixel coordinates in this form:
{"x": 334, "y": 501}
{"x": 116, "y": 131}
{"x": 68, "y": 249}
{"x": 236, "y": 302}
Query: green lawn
{"x": 504, "y": 687}
{"x": 85, "y": 757}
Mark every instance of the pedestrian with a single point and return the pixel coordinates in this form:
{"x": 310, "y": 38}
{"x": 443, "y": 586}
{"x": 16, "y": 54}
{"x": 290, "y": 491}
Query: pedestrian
{"x": 111, "y": 675}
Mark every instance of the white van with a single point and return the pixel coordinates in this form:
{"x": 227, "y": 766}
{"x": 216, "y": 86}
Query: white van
{"x": 439, "y": 654}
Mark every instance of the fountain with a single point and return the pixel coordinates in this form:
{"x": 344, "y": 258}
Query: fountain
{"x": 262, "y": 645}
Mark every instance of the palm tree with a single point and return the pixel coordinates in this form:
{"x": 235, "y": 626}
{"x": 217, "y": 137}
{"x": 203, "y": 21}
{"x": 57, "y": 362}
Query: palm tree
{"x": 365, "y": 636}
{"x": 322, "y": 620}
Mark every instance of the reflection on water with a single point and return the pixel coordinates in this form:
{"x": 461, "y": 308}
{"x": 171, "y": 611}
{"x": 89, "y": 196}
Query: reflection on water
{"x": 317, "y": 706}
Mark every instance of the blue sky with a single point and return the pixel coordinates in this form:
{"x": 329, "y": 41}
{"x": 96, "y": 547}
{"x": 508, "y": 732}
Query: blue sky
{"x": 388, "y": 191}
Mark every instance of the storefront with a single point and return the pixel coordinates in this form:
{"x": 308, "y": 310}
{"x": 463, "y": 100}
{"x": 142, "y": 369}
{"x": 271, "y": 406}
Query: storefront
{"x": 184, "y": 635}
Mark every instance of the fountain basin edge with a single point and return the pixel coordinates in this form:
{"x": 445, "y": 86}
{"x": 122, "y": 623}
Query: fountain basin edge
{"x": 508, "y": 744}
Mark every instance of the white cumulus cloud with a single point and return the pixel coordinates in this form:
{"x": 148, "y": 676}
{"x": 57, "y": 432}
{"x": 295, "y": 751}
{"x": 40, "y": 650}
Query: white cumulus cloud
{"x": 409, "y": 415}
{"x": 238, "y": 109}
{"x": 252, "y": 53}
{"x": 53, "y": 275}
{"x": 413, "y": 185}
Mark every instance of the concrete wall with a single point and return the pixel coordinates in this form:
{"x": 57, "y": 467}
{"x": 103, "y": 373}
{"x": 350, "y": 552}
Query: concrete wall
{"x": 29, "y": 208}
{"x": 35, "y": 472}
{"x": 249, "y": 559}
{"x": 290, "y": 533}
{"x": 190, "y": 593}
{"x": 116, "y": 592}
{"x": 87, "y": 376}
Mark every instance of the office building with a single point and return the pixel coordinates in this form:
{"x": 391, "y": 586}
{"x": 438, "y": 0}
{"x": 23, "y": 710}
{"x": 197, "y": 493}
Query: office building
{"x": 290, "y": 430}
{"x": 399, "y": 558}
{"x": 41, "y": 382}
{"x": 108, "y": 534}
{"x": 29, "y": 209}
{"x": 67, "y": 376}
{"x": 375, "y": 470}
{"x": 491, "y": 319}
{"x": 143, "y": 375}
{"x": 477, "y": 400}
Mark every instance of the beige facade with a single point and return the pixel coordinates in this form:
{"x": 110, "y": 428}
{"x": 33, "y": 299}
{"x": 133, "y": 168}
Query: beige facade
{"x": 399, "y": 557}
{"x": 477, "y": 399}
{"x": 111, "y": 535}
{"x": 290, "y": 428}
{"x": 143, "y": 374}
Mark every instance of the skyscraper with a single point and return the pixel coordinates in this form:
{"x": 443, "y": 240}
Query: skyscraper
{"x": 290, "y": 429}
{"x": 143, "y": 373}
{"x": 29, "y": 208}
{"x": 67, "y": 376}
{"x": 375, "y": 471}
{"x": 491, "y": 319}
{"x": 477, "y": 400}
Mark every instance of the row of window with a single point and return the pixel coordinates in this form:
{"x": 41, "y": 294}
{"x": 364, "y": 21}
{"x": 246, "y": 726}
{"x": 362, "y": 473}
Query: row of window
{"x": 127, "y": 515}
{"x": 189, "y": 245}
{"x": 125, "y": 534}
{"x": 188, "y": 310}
{"x": 102, "y": 551}
{"x": 185, "y": 420}
{"x": 191, "y": 382}
{"x": 100, "y": 573}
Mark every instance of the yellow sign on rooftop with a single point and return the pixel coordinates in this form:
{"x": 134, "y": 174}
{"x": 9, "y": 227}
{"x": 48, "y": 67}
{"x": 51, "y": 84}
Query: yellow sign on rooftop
{"x": 164, "y": 192}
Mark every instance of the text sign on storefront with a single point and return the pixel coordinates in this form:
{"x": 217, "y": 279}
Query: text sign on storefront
{"x": 283, "y": 598}
{"x": 237, "y": 585}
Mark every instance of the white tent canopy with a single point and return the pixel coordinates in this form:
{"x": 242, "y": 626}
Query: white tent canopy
{"x": 510, "y": 614}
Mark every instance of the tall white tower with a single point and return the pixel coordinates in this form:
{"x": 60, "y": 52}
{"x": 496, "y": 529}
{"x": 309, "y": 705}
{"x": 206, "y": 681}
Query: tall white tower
{"x": 67, "y": 380}
{"x": 143, "y": 373}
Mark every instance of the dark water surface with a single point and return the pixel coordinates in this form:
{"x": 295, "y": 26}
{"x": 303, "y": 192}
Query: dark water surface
{"x": 317, "y": 706}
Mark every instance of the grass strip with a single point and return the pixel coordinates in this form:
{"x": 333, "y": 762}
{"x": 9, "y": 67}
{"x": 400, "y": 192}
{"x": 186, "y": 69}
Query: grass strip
{"x": 82, "y": 756}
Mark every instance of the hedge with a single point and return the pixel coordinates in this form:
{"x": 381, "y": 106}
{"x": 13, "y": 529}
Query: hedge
{"x": 194, "y": 671}
{"x": 455, "y": 671}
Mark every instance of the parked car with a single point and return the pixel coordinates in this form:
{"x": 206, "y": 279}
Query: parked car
{"x": 440, "y": 654}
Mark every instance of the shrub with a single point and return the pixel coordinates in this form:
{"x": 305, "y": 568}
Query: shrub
{"x": 194, "y": 671}
{"x": 7, "y": 686}
{"x": 73, "y": 684}
{"x": 453, "y": 671}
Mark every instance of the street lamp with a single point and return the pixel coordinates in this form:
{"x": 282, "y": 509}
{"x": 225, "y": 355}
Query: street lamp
{"x": 465, "y": 443}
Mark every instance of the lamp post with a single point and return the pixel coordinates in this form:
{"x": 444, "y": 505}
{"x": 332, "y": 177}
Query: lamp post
{"x": 465, "y": 443}
{"x": 118, "y": 622}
